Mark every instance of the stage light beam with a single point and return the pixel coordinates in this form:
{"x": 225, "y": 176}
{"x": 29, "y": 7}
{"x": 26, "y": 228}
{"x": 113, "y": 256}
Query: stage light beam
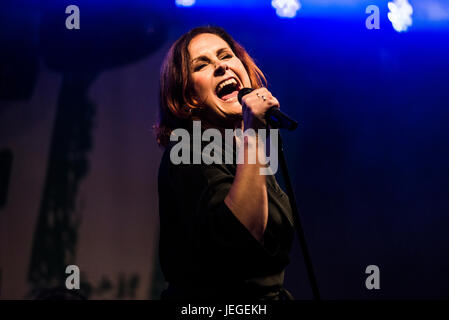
{"x": 400, "y": 14}
{"x": 286, "y": 8}
{"x": 185, "y": 3}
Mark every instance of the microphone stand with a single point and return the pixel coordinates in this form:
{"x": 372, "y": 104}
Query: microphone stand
{"x": 297, "y": 222}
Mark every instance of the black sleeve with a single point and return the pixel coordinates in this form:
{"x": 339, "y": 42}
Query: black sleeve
{"x": 221, "y": 241}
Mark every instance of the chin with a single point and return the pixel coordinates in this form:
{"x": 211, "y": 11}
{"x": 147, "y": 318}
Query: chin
{"x": 234, "y": 110}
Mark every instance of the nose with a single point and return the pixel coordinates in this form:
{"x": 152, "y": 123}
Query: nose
{"x": 220, "y": 68}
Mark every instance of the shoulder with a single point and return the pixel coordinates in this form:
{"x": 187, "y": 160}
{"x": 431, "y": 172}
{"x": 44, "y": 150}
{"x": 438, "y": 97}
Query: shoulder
{"x": 189, "y": 173}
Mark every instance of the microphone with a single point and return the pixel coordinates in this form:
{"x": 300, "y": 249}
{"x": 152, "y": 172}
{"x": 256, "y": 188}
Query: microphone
{"x": 275, "y": 117}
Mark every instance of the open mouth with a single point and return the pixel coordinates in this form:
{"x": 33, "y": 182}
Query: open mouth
{"x": 228, "y": 89}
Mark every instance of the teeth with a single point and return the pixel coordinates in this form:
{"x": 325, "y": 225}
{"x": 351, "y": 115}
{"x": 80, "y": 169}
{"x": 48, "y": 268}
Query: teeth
{"x": 224, "y": 83}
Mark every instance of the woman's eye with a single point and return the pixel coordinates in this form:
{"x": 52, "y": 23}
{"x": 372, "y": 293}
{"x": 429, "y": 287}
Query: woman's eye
{"x": 227, "y": 56}
{"x": 199, "y": 67}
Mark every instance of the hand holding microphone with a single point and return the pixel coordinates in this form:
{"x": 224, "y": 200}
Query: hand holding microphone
{"x": 255, "y": 104}
{"x": 264, "y": 108}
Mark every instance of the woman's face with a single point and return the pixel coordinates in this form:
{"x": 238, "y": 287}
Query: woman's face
{"x": 217, "y": 75}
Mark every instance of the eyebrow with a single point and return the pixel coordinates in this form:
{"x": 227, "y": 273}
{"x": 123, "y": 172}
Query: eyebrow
{"x": 204, "y": 58}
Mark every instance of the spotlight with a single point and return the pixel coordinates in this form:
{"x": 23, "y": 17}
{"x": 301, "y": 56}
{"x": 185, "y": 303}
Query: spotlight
{"x": 185, "y": 3}
{"x": 400, "y": 14}
{"x": 286, "y": 8}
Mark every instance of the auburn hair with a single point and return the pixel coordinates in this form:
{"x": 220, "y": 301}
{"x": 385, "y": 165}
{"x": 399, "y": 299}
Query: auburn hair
{"x": 176, "y": 106}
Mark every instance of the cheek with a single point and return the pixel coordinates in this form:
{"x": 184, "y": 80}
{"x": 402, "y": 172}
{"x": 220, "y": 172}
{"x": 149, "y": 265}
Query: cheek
{"x": 200, "y": 85}
{"x": 202, "y": 90}
{"x": 244, "y": 75}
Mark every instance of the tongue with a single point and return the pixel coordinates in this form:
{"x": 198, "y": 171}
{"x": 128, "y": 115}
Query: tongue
{"x": 230, "y": 95}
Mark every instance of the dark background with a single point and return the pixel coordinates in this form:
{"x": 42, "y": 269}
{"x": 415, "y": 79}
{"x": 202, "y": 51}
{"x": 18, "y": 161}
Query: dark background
{"x": 369, "y": 161}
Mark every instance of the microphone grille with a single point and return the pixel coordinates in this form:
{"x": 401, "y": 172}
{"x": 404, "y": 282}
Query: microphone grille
{"x": 243, "y": 92}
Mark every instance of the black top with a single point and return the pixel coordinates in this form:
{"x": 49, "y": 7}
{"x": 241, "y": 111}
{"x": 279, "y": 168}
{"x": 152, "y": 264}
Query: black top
{"x": 205, "y": 251}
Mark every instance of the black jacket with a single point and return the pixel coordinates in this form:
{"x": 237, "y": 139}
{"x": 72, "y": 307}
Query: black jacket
{"x": 205, "y": 251}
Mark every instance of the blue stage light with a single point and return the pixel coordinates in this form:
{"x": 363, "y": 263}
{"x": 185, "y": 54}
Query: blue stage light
{"x": 400, "y": 14}
{"x": 185, "y": 3}
{"x": 286, "y": 8}
{"x": 434, "y": 10}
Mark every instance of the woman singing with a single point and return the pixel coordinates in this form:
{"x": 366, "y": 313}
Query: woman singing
{"x": 225, "y": 229}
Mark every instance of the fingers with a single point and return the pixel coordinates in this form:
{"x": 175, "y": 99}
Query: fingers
{"x": 255, "y": 105}
{"x": 260, "y": 94}
{"x": 260, "y": 98}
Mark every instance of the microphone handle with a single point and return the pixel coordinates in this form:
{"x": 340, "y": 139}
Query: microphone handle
{"x": 277, "y": 119}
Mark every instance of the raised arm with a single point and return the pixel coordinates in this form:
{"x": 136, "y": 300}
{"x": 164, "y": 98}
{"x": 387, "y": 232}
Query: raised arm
{"x": 248, "y": 198}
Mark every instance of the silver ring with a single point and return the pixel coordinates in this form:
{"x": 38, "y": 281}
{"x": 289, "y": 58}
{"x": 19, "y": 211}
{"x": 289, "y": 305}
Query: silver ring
{"x": 264, "y": 99}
